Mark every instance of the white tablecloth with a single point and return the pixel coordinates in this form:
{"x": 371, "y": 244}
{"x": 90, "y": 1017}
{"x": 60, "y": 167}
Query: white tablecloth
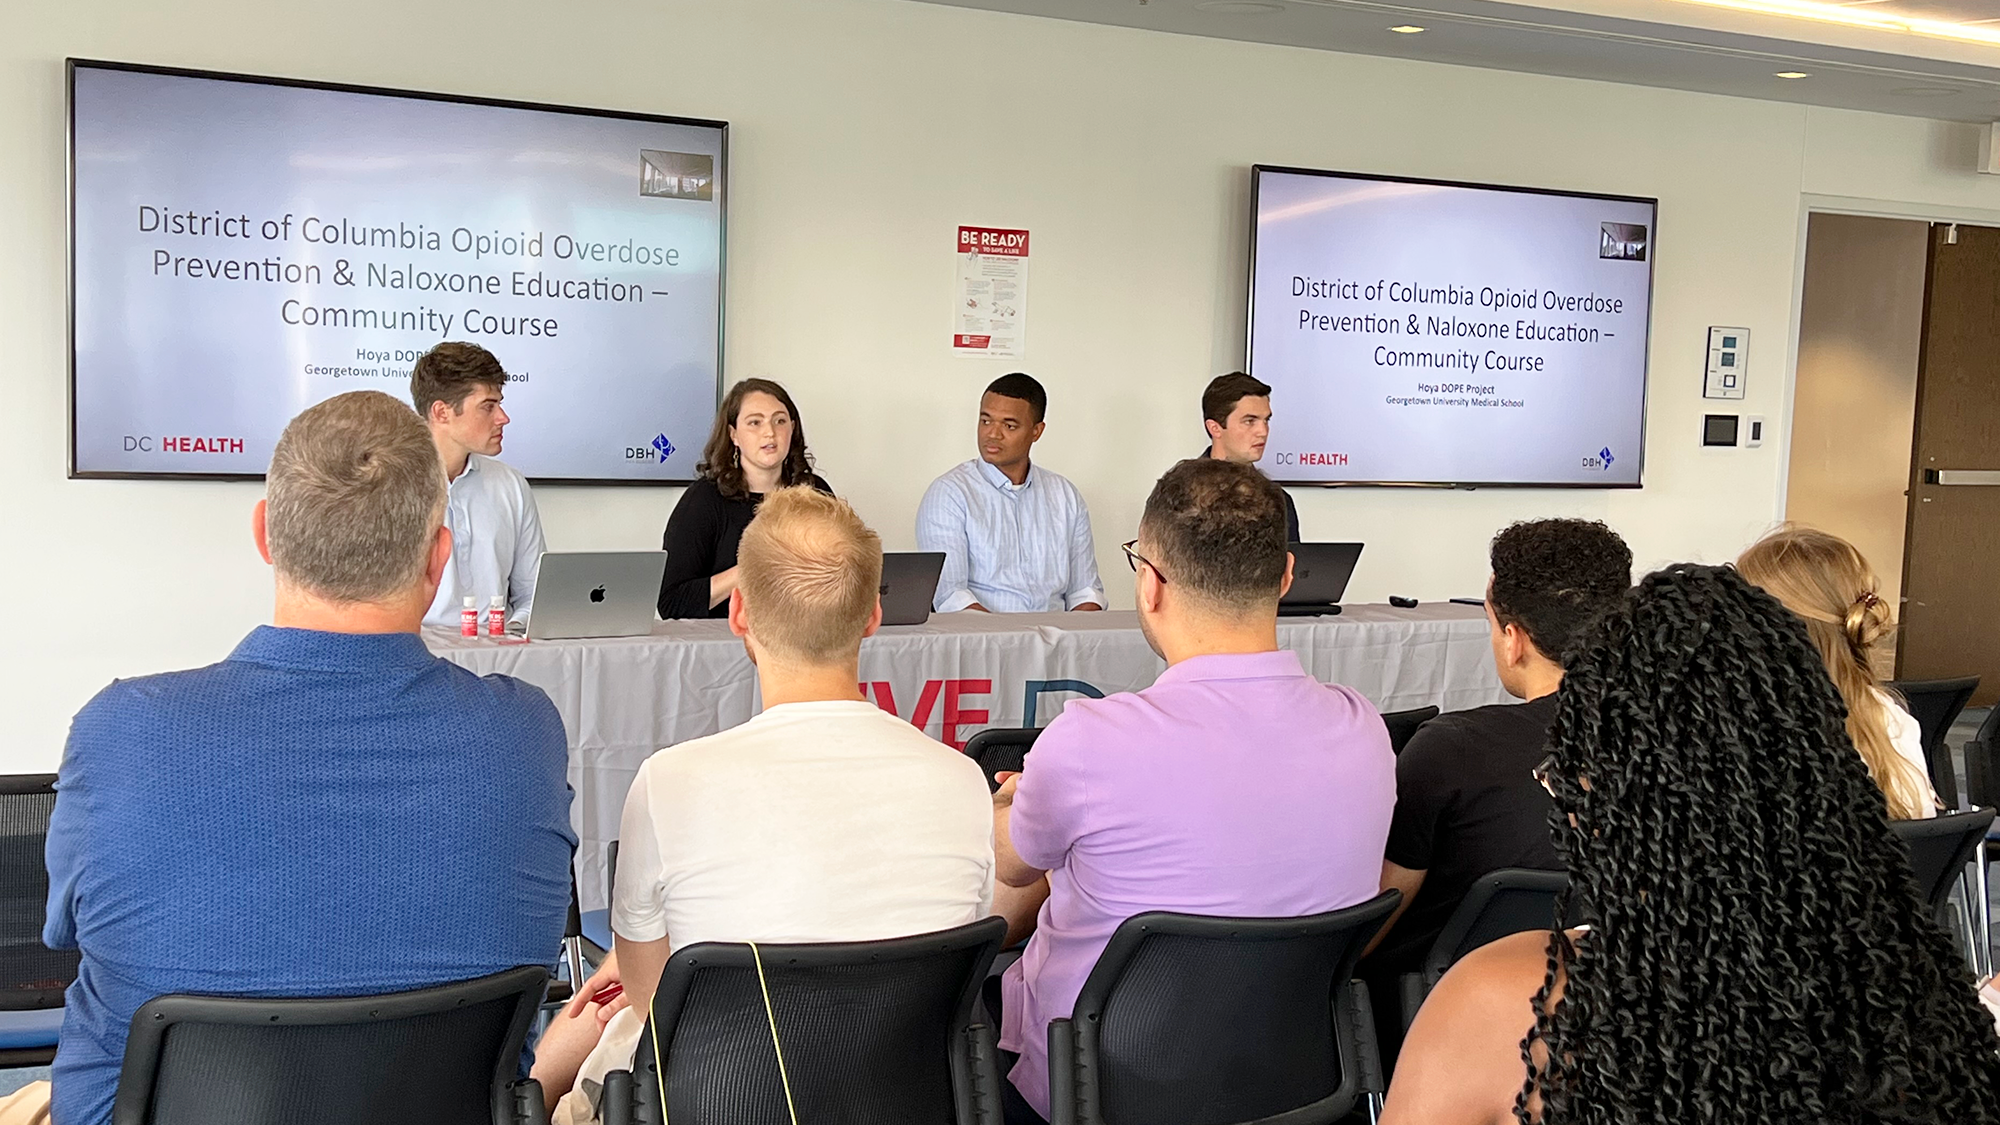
{"x": 622, "y": 698}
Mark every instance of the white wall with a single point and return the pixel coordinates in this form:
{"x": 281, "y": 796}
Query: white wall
{"x": 861, "y": 137}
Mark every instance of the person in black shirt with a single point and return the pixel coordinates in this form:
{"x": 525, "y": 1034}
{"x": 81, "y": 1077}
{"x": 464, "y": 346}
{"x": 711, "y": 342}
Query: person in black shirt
{"x": 1467, "y": 802}
{"x": 758, "y": 445}
{"x": 1236, "y": 411}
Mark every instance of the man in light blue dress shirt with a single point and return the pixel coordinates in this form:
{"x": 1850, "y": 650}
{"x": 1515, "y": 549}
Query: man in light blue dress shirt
{"x": 496, "y": 532}
{"x": 1015, "y": 537}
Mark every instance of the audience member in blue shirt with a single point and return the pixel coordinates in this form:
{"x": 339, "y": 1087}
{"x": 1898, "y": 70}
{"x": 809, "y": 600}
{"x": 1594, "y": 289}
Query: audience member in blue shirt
{"x": 329, "y": 811}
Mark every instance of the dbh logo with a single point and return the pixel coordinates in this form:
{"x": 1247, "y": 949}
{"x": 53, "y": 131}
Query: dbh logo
{"x": 1602, "y": 460}
{"x": 660, "y": 445}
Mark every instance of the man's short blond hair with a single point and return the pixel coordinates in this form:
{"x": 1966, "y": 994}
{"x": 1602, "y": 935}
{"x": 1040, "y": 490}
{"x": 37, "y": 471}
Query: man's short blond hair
{"x": 353, "y": 498}
{"x": 812, "y": 572}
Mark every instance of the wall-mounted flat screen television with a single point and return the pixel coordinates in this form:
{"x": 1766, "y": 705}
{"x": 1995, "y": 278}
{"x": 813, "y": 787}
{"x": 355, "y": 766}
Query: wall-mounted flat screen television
{"x": 241, "y": 248}
{"x": 1432, "y": 333}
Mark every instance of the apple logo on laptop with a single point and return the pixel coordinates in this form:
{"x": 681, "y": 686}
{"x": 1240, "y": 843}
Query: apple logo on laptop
{"x": 597, "y": 595}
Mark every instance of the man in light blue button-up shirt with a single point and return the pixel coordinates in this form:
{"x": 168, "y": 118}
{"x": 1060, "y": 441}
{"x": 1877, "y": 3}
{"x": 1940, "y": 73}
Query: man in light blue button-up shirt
{"x": 496, "y": 531}
{"x": 1015, "y": 537}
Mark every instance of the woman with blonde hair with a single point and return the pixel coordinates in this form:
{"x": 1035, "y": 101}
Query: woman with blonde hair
{"x": 1827, "y": 583}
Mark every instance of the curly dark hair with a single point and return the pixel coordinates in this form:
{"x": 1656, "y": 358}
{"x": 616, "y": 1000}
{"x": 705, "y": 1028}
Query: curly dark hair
{"x": 1758, "y": 951}
{"x": 719, "y": 459}
{"x": 1551, "y": 578}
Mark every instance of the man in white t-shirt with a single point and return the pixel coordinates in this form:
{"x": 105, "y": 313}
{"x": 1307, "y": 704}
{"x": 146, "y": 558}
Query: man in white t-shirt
{"x": 823, "y": 819}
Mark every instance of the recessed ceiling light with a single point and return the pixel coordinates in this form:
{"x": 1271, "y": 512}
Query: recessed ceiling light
{"x": 1241, "y": 7}
{"x": 1923, "y": 92}
{"x": 1406, "y": 29}
{"x": 1792, "y": 74}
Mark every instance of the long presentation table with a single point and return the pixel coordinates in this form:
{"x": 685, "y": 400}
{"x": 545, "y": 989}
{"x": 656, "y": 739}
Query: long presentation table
{"x": 622, "y": 698}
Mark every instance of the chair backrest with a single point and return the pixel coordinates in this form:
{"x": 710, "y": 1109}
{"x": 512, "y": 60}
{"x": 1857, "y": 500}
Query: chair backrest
{"x": 1940, "y": 847}
{"x": 1403, "y": 725}
{"x": 1187, "y": 1020}
{"x": 1509, "y": 901}
{"x": 1936, "y": 704}
{"x": 1001, "y": 749}
{"x": 31, "y": 974}
{"x": 1982, "y": 768}
{"x": 870, "y": 1032}
{"x": 443, "y": 1056}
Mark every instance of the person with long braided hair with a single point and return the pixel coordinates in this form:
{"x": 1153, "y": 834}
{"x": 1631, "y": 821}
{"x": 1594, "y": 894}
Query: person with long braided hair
{"x": 1743, "y": 940}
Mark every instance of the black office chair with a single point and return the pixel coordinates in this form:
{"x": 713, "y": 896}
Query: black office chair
{"x": 443, "y": 1056}
{"x": 574, "y": 967}
{"x": 1500, "y": 903}
{"x": 1935, "y": 704}
{"x": 32, "y": 976}
{"x": 1187, "y": 1020}
{"x": 1940, "y": 847}
{"x": 1982, "y": 767}
{"x": 596, "y": 924}
{"x": 1001, "y": 749}
{"x": 854, "y": 1033}
{"x": 1403, "y": 725}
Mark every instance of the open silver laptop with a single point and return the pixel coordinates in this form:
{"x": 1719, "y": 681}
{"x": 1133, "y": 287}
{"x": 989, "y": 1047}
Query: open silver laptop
{"x": 595, "y": 594}
{"x": 909, "y": 585}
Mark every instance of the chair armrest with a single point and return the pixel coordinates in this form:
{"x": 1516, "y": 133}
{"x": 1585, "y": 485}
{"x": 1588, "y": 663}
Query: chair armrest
{"x": 1359, "y": 1009}
{"x": 1980, "y": 787}
{"x": 531, "y": 1107}
{"x": 1062, "y": 1073}
{"x": 1411, "y": 995}
{"x": 617, "y": 1104}
{"x": 983, "y": 1057}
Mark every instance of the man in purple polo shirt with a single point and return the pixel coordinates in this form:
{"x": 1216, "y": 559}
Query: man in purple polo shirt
{"x": 1235, "y": 786}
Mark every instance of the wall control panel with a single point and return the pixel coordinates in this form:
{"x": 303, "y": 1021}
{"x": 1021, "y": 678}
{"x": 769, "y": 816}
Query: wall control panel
{"x": 1728, "y": 363}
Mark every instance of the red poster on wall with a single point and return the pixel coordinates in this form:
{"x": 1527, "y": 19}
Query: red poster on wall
{"x": 991, "y": 313}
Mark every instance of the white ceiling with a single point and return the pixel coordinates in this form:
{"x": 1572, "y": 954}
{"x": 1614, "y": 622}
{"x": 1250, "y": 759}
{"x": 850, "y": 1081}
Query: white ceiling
{"x": 1685, "y": 46}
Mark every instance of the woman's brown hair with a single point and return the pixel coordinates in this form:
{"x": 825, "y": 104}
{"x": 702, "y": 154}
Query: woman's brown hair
{"x": 1825, "y": 581}
{"x": 719, "y": 459}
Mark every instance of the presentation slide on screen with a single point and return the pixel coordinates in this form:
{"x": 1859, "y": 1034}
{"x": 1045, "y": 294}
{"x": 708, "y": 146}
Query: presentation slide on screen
{"x": 1441, "y": 334}
{"x": 244, "y": 250}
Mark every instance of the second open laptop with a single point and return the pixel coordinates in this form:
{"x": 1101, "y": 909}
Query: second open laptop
{"x": 909, "y": 585}
{"x": 1319, "y": 577}
{"x": 595, "y": 594}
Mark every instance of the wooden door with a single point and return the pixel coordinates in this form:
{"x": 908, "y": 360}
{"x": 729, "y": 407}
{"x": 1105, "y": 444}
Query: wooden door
{"x": 1951, "y": 559}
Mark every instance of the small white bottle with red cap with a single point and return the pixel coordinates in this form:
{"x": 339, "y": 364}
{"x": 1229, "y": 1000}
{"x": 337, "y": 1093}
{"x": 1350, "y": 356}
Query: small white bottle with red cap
{"x": 468, "y": 617}
{"x": 496, "y": 616}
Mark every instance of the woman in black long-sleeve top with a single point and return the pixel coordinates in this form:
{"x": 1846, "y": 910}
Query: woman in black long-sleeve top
{"x": 757, "y": 445}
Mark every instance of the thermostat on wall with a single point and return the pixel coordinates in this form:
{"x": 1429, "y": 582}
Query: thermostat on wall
{"x": 1728, "y": 363}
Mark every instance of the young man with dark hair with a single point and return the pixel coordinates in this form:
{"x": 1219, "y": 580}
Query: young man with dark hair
{"x": 1236, "y": 785}
{"x": 496, "y": 531}
{"x": 1467, "y": 802}
{"x": 1236, "y": 412}
{"x": 1016, "y": 537}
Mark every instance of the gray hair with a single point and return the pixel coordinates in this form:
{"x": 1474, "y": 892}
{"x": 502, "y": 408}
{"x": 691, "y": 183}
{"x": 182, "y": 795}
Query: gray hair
{"x": 354, "y": 495}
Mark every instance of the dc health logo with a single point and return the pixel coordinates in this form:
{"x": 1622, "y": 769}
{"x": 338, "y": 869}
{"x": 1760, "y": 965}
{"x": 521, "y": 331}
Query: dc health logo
{"x": 665, "y": 447}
